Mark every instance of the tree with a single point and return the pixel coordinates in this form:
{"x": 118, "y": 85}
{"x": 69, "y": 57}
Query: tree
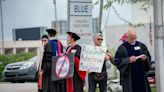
{"x": 146, "y": 4}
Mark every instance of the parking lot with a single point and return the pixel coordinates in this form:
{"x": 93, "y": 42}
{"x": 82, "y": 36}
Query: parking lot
{"x": 18, "y": 87}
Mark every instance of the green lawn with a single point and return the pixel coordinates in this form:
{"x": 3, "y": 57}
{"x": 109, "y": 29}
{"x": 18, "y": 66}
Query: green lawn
{"x": 153, "y": 89}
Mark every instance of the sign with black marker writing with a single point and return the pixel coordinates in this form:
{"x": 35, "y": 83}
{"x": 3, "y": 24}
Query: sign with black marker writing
{"x": 92, "y": 58}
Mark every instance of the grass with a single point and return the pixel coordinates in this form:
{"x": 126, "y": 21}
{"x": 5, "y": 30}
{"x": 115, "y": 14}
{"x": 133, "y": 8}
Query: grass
{"x": 153, "y": 89}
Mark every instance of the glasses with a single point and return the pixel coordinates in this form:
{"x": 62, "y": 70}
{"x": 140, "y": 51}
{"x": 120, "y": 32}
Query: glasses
{"x": 99, "y": 39}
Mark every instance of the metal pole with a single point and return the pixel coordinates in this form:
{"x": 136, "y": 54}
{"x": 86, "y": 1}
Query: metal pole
{"x": 68, "y": 14}
{"x": 55, "y": 12}
{"x": 2, "y": 27}
{"x": 100, "y": 15}
{"x": 159, "y": 44}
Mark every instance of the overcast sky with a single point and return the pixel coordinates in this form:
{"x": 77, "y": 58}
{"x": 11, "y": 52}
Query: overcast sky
{"x": 34, "y": 13}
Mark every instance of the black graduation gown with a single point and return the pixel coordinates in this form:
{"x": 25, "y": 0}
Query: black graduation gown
{"x": 133, "y": 75}
{"x": 48, "y": 85}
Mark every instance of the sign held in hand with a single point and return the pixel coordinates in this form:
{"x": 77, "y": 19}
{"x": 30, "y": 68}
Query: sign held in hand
{"x": 92, "y": 58}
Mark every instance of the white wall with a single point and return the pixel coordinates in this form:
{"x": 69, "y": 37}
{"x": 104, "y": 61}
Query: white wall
{"x": 114, "y": 33}
{"x": 141, "y": 16}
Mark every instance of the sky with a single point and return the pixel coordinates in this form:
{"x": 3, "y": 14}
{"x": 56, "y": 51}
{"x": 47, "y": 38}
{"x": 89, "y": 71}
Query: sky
{"x": 41, "y": 13}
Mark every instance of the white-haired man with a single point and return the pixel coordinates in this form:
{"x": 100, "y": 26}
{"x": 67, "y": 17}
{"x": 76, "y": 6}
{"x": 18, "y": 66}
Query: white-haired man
{"x": 98, "y": 78}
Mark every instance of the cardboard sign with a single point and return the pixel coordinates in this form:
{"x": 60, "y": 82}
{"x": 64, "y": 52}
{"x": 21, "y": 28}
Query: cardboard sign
{"x": 92, "y": 58}
{"x": 62, "y": 67}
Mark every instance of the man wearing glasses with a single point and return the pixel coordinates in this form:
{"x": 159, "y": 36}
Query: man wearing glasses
{"x": 98, "y": 78}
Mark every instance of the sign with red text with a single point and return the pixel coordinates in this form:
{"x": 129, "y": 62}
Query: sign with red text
{"x": 80, "y": 20}
{"x": 92, "y": 58}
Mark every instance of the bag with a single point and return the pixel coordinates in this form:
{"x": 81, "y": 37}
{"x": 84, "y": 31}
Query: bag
{"x": 100, "y": 76}
{"x": 40, "y": 77}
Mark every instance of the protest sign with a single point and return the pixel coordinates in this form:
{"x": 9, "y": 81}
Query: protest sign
{"x": 92, "y": 58}
{"x": 62, "y": 66}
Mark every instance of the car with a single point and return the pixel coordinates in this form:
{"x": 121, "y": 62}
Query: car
{"x": 21, "y": 71}
{"x": 151, "y": 73}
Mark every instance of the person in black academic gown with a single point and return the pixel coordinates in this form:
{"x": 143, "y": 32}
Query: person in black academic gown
{"x": 132, "y": 59}
{"x": 53, "y": 48}
{"x": 44, "y": 40}
{"x": 76, "y": 83}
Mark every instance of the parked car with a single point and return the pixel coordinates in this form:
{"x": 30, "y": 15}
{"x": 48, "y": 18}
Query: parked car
{"x": 21, "y": 71}
{"x": 151, "y": 73}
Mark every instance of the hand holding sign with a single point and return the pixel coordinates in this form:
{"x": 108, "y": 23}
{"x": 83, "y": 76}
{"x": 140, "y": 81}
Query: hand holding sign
{"x": 107, "y": 55}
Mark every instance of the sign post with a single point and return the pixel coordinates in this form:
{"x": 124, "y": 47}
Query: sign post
{"x": 80, "y": 19}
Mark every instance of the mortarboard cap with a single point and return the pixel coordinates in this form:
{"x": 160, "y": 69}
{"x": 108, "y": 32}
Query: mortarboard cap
{"x": 51, "y": 32}
{"x": 74, "y": 36}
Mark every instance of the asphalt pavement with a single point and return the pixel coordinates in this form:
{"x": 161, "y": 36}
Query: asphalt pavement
{"x": 18, "y": 87}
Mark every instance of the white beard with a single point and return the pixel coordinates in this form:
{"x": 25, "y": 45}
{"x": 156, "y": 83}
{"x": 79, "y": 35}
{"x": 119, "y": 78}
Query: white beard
{"x": 133, "y": 43}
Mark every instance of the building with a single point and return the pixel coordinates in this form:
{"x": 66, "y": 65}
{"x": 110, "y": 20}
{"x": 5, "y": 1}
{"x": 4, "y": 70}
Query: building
{"x": 20, "y": 46}
{"x": 27, "y": 40}
{"x": 25, "y": 46}
{"x": 60, "y": 26}
{"x": 26, "y": 34}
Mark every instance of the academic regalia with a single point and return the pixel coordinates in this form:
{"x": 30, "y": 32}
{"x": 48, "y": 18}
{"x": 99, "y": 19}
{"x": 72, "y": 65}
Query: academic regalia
{"x": 133, "y": 75}
{"x": 51, "y": 49}
{"x": 79, "y": 76}
{"x": 76, "y": 83}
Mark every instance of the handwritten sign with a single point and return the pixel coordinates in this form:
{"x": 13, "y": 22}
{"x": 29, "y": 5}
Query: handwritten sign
{"x": 92, "y": 58}
{"x": 62, "y": 67}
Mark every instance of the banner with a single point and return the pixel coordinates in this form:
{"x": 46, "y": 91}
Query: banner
{"x": 62, "y": 67}
{"x": 92, "y": 58}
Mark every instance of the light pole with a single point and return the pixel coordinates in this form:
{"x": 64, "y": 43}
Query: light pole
{"x": 100, "y": 15}
{"x": 159, "y": 44}
{"x": 2, "y": 51}
{"x": 54, "y": 1}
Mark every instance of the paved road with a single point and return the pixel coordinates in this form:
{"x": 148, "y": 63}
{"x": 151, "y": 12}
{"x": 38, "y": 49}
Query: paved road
{"x": 18, "y": 87}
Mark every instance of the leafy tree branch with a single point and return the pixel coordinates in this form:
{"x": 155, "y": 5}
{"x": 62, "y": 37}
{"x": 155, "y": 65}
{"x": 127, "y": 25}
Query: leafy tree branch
{"x": 145, "y": 5}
